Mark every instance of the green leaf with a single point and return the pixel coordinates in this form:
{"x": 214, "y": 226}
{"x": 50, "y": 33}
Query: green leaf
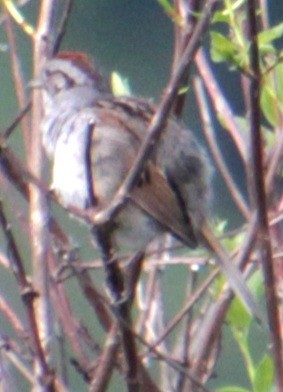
{"x": 183, "y": 90}
{"x": 220, "y": 226}
{"x": 232, "y": 388}
{"x": 226, "y": 50}
{"x": 119, "y": 85}
{"x": 170, "y": 10}
{"x": 269, "y": 138}
{"x": 264, "y": 375}
{"x": 266, "y": 38}
{"x": 272, "y": 95}
{"x": 268, "y": 104}
{"x": 220, "y": 17}
{"x": 279, "y": 83}
{"x": 256, "y": 283}
{"x": 238, "y": 316}
{"x": 167, "y": 6}
{"x": 232, "y": 6}
{"x": 270, "y": 35}
{"x": 222, "y": 49}
{"x": 227, "y": 14}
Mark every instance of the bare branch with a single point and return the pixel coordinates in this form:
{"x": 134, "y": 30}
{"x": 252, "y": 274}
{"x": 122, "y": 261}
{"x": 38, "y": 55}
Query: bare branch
{"x": 260, "y": 202}
{"x": 220, "y": 103}
{"x": 217, "y": 155}
{"x": 28, "y": 296}
{"x": 39, "y": 213}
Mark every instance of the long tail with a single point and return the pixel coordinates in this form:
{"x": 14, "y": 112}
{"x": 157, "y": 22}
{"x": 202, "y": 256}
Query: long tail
{"x": 232, "y": 273}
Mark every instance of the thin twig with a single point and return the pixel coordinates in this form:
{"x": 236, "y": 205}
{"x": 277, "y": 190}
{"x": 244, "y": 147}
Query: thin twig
{"x": 17, "y": 363}
{"x": 217, "y": 155}
{"x": 11, "y": 316}
{"x": 220, "y": 103}
{"x": 173, "y": 364}
{"x": 28, "y": 296}
{"x": 17, "y": 76}
{"x": 65, "y": 314}
{"x": 94, "y": 298}
{"x": 183, "y": 33}
{"x": 208, "y": 332}
{"x": 68, "y": 5}
{"x": 121, "y": 307}
{"x": 102, "y": 374}
{"x": 193, "y": 299}
{"x": 8, "y": 131}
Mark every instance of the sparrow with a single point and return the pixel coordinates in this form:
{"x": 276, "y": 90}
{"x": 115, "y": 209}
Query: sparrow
{"x": 93, "y": 137}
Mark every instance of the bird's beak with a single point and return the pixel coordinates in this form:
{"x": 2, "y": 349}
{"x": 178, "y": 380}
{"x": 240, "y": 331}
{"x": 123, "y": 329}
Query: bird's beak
{"x": 35, "y": 83}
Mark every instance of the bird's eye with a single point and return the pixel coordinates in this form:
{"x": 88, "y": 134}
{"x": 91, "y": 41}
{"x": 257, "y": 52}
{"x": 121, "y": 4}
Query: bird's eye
{"x": 58, "y": 81}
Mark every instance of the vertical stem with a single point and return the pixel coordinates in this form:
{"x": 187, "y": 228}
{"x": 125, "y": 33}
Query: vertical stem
{"x": 17, "y": 75}
{"x": 121, "y": 307}
{"x": 183, "y": 34}
{"x": 38, "y": 206}
{"x": 272, "y": 299}
{"x": 44, "y": 377}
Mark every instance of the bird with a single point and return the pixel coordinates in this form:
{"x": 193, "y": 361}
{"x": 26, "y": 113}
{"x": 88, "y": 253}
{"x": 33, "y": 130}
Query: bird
{"x": 93, "y": 138}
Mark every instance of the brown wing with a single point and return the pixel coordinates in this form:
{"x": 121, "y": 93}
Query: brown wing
{"x": 158, "y": 200}
{"x": 122, "y": 127}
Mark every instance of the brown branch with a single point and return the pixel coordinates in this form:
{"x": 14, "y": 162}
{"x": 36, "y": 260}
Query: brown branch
{"x": 183, "y": 33}
{"x": 45, "y": 379}
{"x": 20, "y": 177}
{"x": 216, "y": 153}
{"x": 208, "y": 332}
{"x": 12, "y": 356}
{"x": 188, "y": 306}
{"x": 220, "y": 103}
{"x": 174, "y": 365}
{"x": 13, "y": 169}
{"x": 209, "y": 328}
{"x": 8, "y": 131}
{"x": 150, "y": 299}
{"x": 19, "y": 82}
{"x": 272, "y": 298}
{"x": 68, "y": 321}
{"x": 121, "y": 307}
{"x": 102, "y": 374}
{"x": 231, "y": 272}
{"x": 94, "y": 298}
{"x": 38, "y": 208}
{"x": 11, "y": 316}
{"x": 68, "y": 5}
